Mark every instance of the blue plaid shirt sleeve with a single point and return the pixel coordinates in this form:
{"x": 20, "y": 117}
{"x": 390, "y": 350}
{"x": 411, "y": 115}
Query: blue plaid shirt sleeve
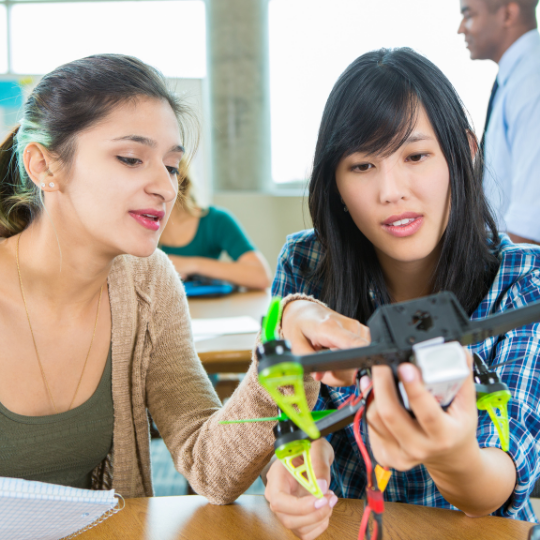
{"x": 522, "y": 348}
{"x": 283, "y": 283}
{"x": 296, "y": 262}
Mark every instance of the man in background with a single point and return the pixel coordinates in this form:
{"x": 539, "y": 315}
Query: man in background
{"x": 505, "y": 31}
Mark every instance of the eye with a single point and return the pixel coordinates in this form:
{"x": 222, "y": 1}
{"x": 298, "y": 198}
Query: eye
{"x": 173, "y": 170}
{"x": 129, "y": 160}
{"x": 362, "y": 167}
{"x": 416, "y": 158}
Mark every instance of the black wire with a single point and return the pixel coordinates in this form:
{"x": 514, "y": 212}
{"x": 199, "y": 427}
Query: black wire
{"x": 507, "y": 362}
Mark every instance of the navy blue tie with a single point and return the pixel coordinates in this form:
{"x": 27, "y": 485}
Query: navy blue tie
{"x": 489, "y": 109}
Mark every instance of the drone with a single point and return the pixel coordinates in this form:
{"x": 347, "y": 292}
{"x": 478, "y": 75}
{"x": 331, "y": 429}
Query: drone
{"x": 427, "y": 332}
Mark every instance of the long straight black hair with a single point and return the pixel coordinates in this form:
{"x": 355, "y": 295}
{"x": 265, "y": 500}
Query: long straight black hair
{"x": 373, "y": 109}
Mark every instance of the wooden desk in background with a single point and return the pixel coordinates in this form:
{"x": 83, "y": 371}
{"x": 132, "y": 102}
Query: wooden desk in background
{"x": 231, "y": 353}
{"x": 192, "y": 518}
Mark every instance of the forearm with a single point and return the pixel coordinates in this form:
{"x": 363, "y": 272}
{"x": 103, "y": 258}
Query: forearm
{"x": 251, "y": 275}
{"x": 479, "y": 483}
{"x": 521, "y": 239}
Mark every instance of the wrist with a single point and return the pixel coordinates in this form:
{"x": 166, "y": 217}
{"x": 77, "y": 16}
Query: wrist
{"x": 460, "y": 461}
{"x": 289, "y": 307}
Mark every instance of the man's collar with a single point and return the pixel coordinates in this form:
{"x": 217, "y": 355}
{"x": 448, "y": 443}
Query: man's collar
{"x": 528, "y": 41}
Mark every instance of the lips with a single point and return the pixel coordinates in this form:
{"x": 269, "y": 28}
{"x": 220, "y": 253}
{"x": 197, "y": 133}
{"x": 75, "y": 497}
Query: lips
{"x": 403, "y": 225}
{"x": 148, "y": 218}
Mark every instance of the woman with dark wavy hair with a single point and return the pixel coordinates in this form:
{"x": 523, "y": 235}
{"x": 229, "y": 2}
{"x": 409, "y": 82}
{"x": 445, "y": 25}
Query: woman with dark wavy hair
{"x": 399, "y": 213}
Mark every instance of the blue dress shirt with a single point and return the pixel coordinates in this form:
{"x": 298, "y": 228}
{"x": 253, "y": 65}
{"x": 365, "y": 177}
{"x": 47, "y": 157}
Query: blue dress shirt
{"x": 512, "y": 143}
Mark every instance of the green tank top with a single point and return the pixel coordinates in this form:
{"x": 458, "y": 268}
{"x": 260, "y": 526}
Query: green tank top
{"x": 218, "y": 231}
{"x": 61, "y": 448}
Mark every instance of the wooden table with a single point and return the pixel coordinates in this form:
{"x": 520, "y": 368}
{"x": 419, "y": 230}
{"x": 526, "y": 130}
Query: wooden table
{"x": 231, "y": 353}
{"x": 192, "y": 518}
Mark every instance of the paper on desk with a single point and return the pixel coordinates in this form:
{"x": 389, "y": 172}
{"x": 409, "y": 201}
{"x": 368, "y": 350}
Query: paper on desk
{"x": 202, "y": 328}
{"x": 40, "y": 511}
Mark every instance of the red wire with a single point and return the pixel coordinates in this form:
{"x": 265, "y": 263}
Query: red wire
{"x": 375, "y": 530}
{"x": 361, "y": 446}
{"x": 369, "y": 468}
{"x": 364, "y": 523}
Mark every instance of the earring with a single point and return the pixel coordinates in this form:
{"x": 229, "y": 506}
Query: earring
{"x": 345, "y": 209}
{"x": 43, "y": 185}
{"x": 51, "y": 184}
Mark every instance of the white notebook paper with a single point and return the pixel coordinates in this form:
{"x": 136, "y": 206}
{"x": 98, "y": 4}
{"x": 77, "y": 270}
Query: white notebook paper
{"x": 223, "y": 326}
{"x": 40, "y": 511}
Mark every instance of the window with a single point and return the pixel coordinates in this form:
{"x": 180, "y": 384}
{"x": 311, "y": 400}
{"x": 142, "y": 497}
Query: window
{"x": 313, "y": 41}
{"x": 169, "y": 35}
{"x": 3, "y": 42}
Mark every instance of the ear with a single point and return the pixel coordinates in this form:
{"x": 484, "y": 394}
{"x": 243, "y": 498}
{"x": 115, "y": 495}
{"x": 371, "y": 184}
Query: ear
{"x": 473, "y": 144}
{"x": 38, "y": 162}
{"x": 512, "y": 14}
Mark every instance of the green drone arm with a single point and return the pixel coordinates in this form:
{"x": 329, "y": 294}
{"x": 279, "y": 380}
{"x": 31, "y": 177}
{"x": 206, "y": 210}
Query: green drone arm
{"x": 285, "y": 374}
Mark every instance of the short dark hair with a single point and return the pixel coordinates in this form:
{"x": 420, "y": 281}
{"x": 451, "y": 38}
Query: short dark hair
{"x": 373, "y": 108}
{"x": 527, "y": 8}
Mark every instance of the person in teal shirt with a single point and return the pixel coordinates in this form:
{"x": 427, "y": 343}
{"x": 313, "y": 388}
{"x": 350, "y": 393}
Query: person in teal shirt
{"x": 195, "y": 239}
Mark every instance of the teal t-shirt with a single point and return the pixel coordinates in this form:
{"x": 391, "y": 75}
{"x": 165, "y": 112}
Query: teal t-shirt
{"x": 218, "y": 231}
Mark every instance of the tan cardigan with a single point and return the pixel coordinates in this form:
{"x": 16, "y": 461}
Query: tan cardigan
{"x": 155, "y": 367}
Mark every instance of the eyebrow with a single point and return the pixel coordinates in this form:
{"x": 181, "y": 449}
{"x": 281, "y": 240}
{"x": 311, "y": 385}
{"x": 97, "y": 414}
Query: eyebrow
{"x": 179, "y": 149}
{"x": 416, "y": 137}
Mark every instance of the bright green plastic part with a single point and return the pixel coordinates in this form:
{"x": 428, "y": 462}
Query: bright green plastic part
{"x": 304, "y": 473}
{"x": 316, "y": 415}
{"x": 271, "y": 320}
{"x": 295, "y": 405}
{"x": 491, "y": 403}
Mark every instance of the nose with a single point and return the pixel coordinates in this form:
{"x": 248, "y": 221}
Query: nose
{"x": 461, "y": 27}
{"x": 393, "y": 188}
{"x": 162, "y": 185}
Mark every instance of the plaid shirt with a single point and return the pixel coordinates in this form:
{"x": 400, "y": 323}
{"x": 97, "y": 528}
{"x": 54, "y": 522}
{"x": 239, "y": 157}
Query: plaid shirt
{"x": 516, "y": 284}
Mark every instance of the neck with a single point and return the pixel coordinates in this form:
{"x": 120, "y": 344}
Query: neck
{"x": 509, "y": 40}
{"x": 407, "y": 280}
{"x": 58, "y": 268}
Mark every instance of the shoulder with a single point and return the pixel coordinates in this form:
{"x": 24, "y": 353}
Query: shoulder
{"x": 151, "y": 279}
{"x": 297, "y": 261}
{"x": 524, "y": 83}
{"x": 517, "y": 281}
{"x": 216, "y": 213}
{"x": 302, "y": 248}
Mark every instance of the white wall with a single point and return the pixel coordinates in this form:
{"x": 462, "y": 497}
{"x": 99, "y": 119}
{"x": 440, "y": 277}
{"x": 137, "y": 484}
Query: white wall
{"x": 267, "y": 219}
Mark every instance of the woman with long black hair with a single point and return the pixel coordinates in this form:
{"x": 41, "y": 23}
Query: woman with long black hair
{"x": 399, "y": 213}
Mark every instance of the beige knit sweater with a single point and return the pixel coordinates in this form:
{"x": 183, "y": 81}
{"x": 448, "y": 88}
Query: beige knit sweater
{"x": 155, "y": 367}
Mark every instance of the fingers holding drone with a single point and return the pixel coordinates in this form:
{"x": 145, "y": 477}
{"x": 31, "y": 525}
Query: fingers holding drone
{"x": 310, "y": 326}
{"x": 299, "y": 511}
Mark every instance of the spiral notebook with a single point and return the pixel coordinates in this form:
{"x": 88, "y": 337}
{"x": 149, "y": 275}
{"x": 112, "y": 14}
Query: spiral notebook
{"x": 39, "y": 511}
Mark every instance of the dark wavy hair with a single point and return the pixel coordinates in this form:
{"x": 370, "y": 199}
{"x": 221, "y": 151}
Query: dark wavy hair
{"x": 373, "y": 109}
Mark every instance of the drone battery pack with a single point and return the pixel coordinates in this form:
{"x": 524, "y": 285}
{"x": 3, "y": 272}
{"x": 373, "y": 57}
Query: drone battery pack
{"x": 444, "y": 369}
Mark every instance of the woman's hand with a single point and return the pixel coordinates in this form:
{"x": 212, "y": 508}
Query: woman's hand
{"x": 250, "y": 270}
{"x": 295, "y": 508}
{"x": 436, "y": 438}
{"x": 311, "y": 327}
